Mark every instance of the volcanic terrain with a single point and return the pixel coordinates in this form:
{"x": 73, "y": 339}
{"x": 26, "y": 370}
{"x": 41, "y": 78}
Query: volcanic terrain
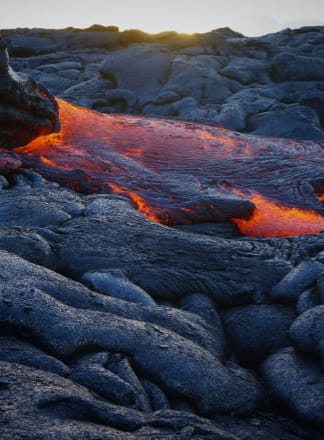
{"x": 162, "y": 264}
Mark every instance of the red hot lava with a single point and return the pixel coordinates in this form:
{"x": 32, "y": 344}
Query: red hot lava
{"x": 180, "y": 172}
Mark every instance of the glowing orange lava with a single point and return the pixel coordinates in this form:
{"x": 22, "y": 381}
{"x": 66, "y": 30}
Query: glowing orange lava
{"x": 180, "y": 172}
{"x": 268, "y": 217}
{"x": 139, "y": 202}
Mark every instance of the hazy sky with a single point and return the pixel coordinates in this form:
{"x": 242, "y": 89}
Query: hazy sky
{"x": 251, "y": 17}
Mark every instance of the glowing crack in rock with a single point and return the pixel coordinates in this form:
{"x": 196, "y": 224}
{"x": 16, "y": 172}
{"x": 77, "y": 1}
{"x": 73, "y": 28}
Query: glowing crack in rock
{"x": 179, "y": 172}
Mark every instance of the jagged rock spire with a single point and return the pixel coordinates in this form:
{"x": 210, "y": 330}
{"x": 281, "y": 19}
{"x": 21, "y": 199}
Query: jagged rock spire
{"x": 27, "y": 109}
{"x": 4, "y": 57}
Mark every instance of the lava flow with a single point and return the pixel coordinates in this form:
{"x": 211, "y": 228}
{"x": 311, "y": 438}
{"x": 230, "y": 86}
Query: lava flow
{"x": 179, "y": 172}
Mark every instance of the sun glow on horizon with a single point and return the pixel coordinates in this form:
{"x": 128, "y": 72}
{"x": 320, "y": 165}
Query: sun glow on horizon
{"x": 251, "y": 17}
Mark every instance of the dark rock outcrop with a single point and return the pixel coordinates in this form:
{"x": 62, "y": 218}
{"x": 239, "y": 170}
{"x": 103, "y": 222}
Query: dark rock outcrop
{"x": 27, "y": 109}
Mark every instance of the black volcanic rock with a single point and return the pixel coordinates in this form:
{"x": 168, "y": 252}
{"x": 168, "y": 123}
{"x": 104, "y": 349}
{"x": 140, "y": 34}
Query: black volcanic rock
{"x": 23, "y": 45}
{"x": 176, "y": 363}
{"x": 35, "y": 208}
{"x": 297, "y": 384}
{"x": 294, "y": 121}
{"x": 246, "y": 70}
{"x": 226, "y": 272}
{"x": 21, "y": 352}
{"x": 121, "y": 361}
{"x": 307, "y": 331}
{"x": 66, "y": 410}
{"x": 255, "y": 331}
{"x": 93, "y": 39}
{"x": 307, "y": 300}
{"x": 27, "y": 109}
{"x": 287, "y": 66}
{"x": 269, "y": 85}
{"x": 295, "y": 282}
{"x": 114, "y": 283}
{"x": 139, "y": 69}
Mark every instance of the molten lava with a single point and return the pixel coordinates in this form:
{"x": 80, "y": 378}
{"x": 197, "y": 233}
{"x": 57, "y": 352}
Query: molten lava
{"x": 180, "y": 172}
{"x": 267, "y": 216}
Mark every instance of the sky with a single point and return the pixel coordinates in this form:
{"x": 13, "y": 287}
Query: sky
{"x": 251, "y": 17}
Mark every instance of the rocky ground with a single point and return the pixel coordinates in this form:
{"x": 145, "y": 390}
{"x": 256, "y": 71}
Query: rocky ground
{"x": 116, "y": 327}
{"x": 271, "y": 85}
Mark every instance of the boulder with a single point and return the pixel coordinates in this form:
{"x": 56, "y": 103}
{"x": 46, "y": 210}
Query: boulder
{"x": 254, "y": 99}
{"x": 236, "y": 109}
{"x": 232, "y": 117}
{"x": 31, "y": 210}
{"x": 297, "y": 385}
{"x": 199, "y": 80}
{"x": 140, "y": 69}
{"x": 287, "y": 66}
{"x": 307, "y": 331}
{"x": 122, "y": 101}
{"x": 307, "y": 300}
{"x": 255, "y": 331}
{"x": 114, "y": 283}
{"x": 246, "y": 70}
{"x": 27, "y": 109}
{"x": 88, "y": 93}
{"x": 300, "y": 91}
{"x": 203, "y": 306}
{"x": 287, "y": 121}
{"x": 301, "y": 277}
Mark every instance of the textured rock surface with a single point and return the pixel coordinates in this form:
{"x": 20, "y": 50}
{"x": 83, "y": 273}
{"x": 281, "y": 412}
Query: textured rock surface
{"x": 82, "y": 361}
{"x": 297, "y": 384}
{"x": 307, "y": 332}
{"x": 168, "y": 359}
{"x": 255, "y": 331}
{"x": 269, "y": 85}
{"x": 297, "y": 281}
